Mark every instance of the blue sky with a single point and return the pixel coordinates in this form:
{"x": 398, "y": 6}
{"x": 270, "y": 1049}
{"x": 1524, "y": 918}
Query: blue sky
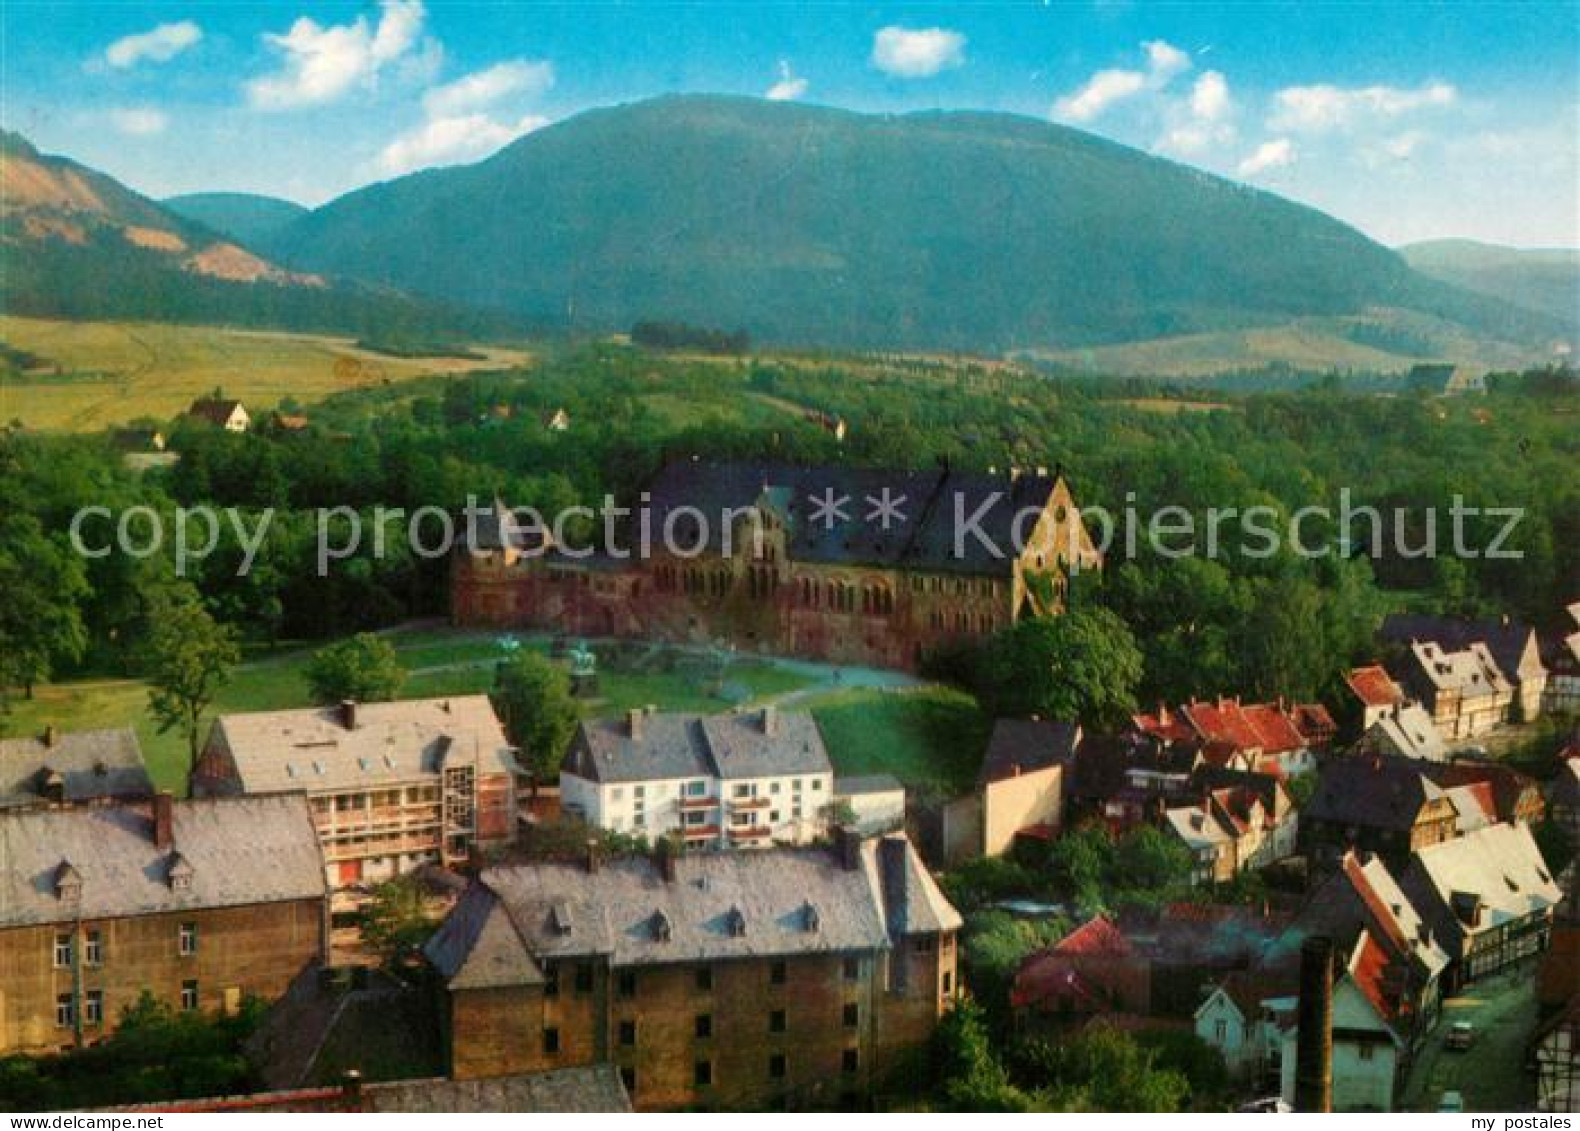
{"x": 1409, "y": 120}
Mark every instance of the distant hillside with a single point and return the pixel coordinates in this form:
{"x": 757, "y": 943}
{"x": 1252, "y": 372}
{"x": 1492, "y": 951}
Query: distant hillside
{"x": 1546, "y": 281}
{"x": 79, "y": 244}
{"x": 243, "y": 216}
{"x": 971, "y": 231}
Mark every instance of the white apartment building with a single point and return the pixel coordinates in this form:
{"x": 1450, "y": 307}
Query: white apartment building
{"x": 745, "y": 780}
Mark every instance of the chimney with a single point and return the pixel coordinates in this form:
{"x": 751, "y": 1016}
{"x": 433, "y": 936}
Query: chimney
{"x": 847, "y": 842}
{"x": 593, "y": 855}
{"x": 348, "y": 714}
{"x": 770, "y": 721}
{"x": 1314, "y": 1034}
{"x": 664, "y": 857}
{"x": 51, "y": 736}
{"x": 634, "y": 722}
{"x": 164, "y": 819}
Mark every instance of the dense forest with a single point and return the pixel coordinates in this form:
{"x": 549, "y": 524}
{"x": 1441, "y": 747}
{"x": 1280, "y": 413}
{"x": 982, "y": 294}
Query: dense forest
{"x": 1277, "y": 624}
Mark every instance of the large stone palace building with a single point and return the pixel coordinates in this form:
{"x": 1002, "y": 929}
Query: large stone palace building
{"x": 728, "y": 980}
{"x": 849, "y": 565}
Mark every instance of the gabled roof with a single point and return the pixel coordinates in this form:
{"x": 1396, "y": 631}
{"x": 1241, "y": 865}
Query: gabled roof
{"x": 241, "y": 850}
{"x": 1372, "y": 792}
{"x": 1511, "y": 643}
{"x": 1470, "y": 671}
{"x": 1199, "y": 827}
{"x": 1374, "y": 687}
{"x": 90, "y": 764}
{"x": 1020, "y": 746}
{"x": 1474, "y": 805}
{"x": 1499, "y": 866}
{"x": 720, "y": 905}
{"x": 668, "y": 746}
{"x": 215, "y": 411}
{"x": 1510, "y": 788}
{"x": 313, "y": 748}
{"x": 1408, "y": 731}
{"x": 1098, "y": 936}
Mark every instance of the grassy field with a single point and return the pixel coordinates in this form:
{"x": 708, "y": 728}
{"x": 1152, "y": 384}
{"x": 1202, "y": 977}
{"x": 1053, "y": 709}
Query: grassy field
{"x": 104, "y": 373}
{"x": 439, "y": 662}
{"x": 931, "y": 738}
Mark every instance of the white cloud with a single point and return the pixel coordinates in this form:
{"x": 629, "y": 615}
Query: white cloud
{"x": 1201, "y": 121}
{"x": 451, "y": 141}
{"x": 917, "y": 53}
{"x": 1275, "y": 154}
{"x": 323, "y": 63}
{"x": 139, "y": 121}
{"x": 788, "y": 88}
{"x": 1105, "y": 88}
{"x": 160, "y": 45}
{"x": 486, "y": 87}
{"x": 1326, "y": 107}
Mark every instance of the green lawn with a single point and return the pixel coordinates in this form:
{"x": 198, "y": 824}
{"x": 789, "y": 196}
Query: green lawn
{"x": 440, "y": 662}
{"x": 931, "y": 738}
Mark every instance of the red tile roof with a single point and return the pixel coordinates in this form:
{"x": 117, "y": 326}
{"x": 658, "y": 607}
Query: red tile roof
{"x": 1099, "y": 936}
{"x": 1369, "y": 971}
{"x": 1374, "y": 687}
{"x": 1223, "y": 721}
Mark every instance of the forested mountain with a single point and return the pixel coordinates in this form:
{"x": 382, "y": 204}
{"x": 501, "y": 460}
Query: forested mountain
{"x": 1545, "y": 279}
{"x": 801, "y": 224}
{"x": 79, "y": 244}
{"x": 243, "y": 216}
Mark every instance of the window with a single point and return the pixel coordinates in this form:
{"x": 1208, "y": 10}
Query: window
{"x": 773, "y": 818}
{"x": 1220, "y": 1031}
{"x": 1368, "y": 1051}
{"x": 742, "y": 791}
{"x": 92, "y": 948}
{"x": 551, "y": 979}
{"x": 795, "y": 784}
{"x": 93, "y": 1008}
{"x": 817, "y": 785}
{"x": 617, "y": 794}
{"x": 627, "y": 984}
{"x": 949, "y": 981}
{"x": 776, "y": 1066}
{"x": 852, "y": 1015}
{"x": 852, "y": 969}
{"x": 584, "y": 977}
{"x": 925, "y": 944}
{"x": 551, "y": 1042}
{"x": 696, "y": 817}
{"x": 773, "y": 787}
{"x": 850, "y": 1061}
{"x": 65, "y": 1011}
{"x": 638, "y": 792}
{"x": 704, "y": 1025}
{"x": 628, "y": 1033}
{"x": 189, "y": 996}
{"x": 704, "y": 977}
{"x": 187, "y": 940}
{"x": 62, "y": 951}
{"x": 777, "y": 974}
{"x": 696, "y": 789}
{"x": 702, "y": 1073}
{"x": 777, "y": 1021}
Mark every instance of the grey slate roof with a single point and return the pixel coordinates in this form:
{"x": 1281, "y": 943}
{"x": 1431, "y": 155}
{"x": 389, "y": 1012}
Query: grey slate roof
{"x": 590, "y": 1088}
{"x": 312, "y": 749}
{"x": 1379, "y": 793}
{"x": 788, "y": 901}
{"x": 697, "y": 746}
{"x": 863, "y": 784}
{"x": 1024, "y": 745}
{"x": 242, "y": 850}
{"x": 92, "y": 764}
{"x": 1507, "y": 640}
{"x": 925, "y": 540}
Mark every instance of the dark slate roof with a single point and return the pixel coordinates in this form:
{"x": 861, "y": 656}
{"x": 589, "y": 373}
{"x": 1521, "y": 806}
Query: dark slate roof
{"x": 242, "y": 850}
{"x": 1023, "y": 745}
{"x": 590, "y": 1088}
{"x": 212, "y": 410}
{"x": 1507, "y": 640}
{"x": 786, "y": 901}
{"x": 923, "y": 540}
{"x": 1372, "y": 792}
{"x": 867, "y": 783}
{"x": 92, "y": 764}
{"x": 671, "y": 746}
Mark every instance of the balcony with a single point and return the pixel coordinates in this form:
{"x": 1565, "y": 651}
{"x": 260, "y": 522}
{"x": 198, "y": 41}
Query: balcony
{"x": 750, "y": 833}
{"x": 699, "y": 803}
{"x": 700, "y": 832}
{"x": 749, "y": 803}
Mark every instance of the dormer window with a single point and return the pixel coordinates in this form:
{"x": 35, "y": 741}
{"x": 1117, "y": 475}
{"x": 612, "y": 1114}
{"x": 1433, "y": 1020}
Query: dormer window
{"x": 810, "y": 920}
{"x": 560, "y": 918}
{"x": 68, "y": 882}
{"x": 661, "y": 927}
{"x": 735, "y": 923}
{"x": 179, "y": 873}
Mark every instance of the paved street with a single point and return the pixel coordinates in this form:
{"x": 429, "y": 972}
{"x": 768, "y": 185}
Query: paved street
{"x": 1491, "y": 1074}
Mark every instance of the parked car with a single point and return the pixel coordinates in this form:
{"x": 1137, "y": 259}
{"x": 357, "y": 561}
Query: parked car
{"x": 1452, "y": 1103}
{"x": 1271, "y": 1105}
{"x": 1461, "y": 1035}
